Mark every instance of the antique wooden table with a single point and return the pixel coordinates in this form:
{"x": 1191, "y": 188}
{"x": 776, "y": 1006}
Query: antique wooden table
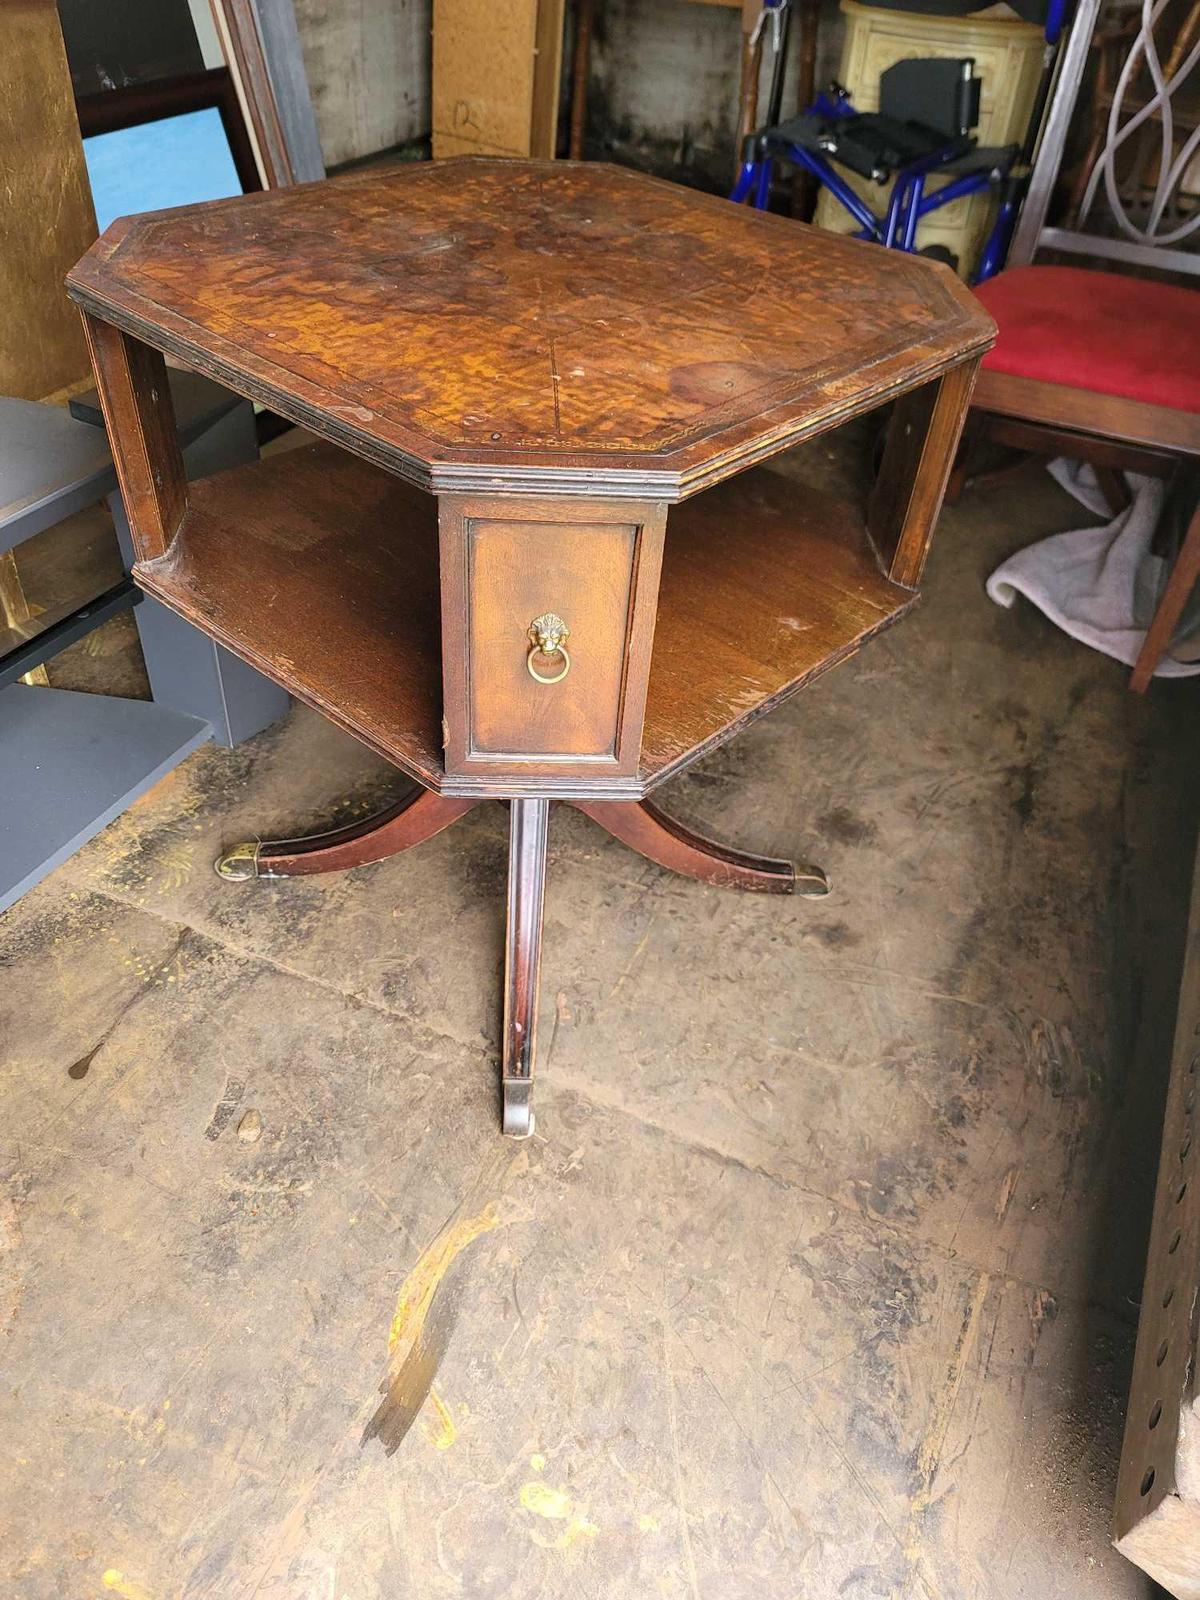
{"x": 534, "y": 556}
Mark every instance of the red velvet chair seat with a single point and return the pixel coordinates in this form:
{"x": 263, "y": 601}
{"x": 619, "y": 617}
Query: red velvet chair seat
{"x": 1096, "y": 330}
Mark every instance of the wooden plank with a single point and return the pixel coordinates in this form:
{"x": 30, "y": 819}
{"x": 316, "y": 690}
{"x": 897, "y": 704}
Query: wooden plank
{"x": 1183, "y": 578}
{"x": 505, "y": 561}
{"x": 359, "y": 638}
{"x": 1087, "y": 412}
{"x": 263, "y": 50}
{"x": 1157, "y": 1517}
{"x": 736, "y": 631}
{"x": 1040, "y": 438}
{"x": 547, "y": 79}
{"x": 284, "y": 57}
{"x": 766, "y": 584}
{"x": 42, "y": 350}
{"x": 238, "y": 27}
{"x": 47, "y": 219}
{"x": 483, "y": 76}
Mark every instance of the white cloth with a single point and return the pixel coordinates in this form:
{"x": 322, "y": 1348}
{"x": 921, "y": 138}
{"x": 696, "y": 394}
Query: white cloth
{"x": 1098, "y": 584}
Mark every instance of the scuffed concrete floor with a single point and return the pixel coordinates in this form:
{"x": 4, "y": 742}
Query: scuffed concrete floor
{"x": 819, "y": 1278}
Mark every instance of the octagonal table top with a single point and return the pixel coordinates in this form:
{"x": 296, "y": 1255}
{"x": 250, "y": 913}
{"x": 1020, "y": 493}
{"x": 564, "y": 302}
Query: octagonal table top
{"x": 476, "y": 323}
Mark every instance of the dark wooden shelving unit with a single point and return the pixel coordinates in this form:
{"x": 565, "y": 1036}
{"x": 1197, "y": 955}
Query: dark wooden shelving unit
{"x": 765, "y": 584}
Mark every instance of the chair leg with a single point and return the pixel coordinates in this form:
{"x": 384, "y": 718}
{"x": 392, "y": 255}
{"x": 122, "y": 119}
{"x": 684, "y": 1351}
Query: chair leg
{"x": 661, "y": 839}
{"x": 1180, "y": 584}
{"x": 416, "y": 818}
{"x": 523, "y": 958}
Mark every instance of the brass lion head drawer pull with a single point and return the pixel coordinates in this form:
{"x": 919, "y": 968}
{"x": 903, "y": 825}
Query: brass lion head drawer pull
{"x": 548, "y": 635}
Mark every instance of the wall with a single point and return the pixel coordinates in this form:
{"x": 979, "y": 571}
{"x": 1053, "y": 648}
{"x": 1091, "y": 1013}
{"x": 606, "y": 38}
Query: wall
{"x": 368, "y": 72}
{"x": 663, "y": 91}
{"x": 665, "y": 77}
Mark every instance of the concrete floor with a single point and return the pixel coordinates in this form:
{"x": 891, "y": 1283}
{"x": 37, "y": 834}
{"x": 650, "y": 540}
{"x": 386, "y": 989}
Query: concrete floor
{"x": 819, "y": 1277}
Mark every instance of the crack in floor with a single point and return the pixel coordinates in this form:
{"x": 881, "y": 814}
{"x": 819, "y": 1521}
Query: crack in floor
{"x": 583, "y": 1089}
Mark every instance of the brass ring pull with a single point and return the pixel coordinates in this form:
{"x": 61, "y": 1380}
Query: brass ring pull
{"x": 536, "y": 675}
{"x": 548, "y": 635}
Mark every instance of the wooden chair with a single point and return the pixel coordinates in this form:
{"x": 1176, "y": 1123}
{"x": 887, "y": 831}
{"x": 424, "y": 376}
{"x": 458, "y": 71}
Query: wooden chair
{"x": 1093, "y": 365}
{"x": 1104, "y": 369}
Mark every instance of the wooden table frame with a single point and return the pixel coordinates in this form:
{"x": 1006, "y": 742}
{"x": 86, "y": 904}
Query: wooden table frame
{"x": 674, "y": 656}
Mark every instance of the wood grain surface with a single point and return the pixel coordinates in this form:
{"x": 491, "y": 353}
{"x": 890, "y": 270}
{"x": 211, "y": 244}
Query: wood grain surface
{"x": 484, "y": 324}
{"x": 1084, "y": 411}
{"x": 46, "y": 213}
{"x": 323, "y": 573}
{"x": 922, "y": 440}
{"x": 766, "y": 583}
{"x": 139, "y": 415}
{"x": 514, "y": 567}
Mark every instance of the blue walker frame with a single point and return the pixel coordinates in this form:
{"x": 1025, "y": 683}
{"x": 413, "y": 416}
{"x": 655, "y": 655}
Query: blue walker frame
{"x": 909, "y": 201}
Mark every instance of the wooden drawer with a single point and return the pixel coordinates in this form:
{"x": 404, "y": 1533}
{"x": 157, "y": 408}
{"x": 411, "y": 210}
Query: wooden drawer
{"x": 507, "y": 563}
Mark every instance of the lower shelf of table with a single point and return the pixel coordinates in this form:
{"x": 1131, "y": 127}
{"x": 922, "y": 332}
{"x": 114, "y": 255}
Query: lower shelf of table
{"x": 322, "y": 571}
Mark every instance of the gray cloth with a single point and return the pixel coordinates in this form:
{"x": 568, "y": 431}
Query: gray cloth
{"x": 1102, "y": 584}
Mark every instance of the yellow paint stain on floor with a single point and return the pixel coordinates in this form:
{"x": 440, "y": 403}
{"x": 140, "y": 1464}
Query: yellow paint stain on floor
{"x": 473, "y": 1217}
{"x": 418, "y": 1289}
{"x": 443, "y": 1432}
{"x": 165, "y": 786}
{"x": 116, "y": 1580}
{"x": 545, "y": 1501}
{"x": 555, "y": 1505}
{"x": 176, "y": 865}
{"x": 415, "y": 1343}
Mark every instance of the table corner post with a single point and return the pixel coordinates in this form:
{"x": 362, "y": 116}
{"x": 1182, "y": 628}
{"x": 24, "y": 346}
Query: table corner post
{"x": 139, "y": 417}
{"x": 922, "y": 441}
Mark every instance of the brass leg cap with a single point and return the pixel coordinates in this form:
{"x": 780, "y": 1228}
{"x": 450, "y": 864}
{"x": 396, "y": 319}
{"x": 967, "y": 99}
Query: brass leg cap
{"x": 811, "y": 882}
{"x": 518, "y": 1120}
{"x": 239, "y": 864}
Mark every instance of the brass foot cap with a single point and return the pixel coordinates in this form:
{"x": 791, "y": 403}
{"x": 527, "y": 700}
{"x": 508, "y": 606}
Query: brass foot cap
{"x": 239, "y": 864}
{"x": 811, "y": 883}
{"x": 518, "y": 1120}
